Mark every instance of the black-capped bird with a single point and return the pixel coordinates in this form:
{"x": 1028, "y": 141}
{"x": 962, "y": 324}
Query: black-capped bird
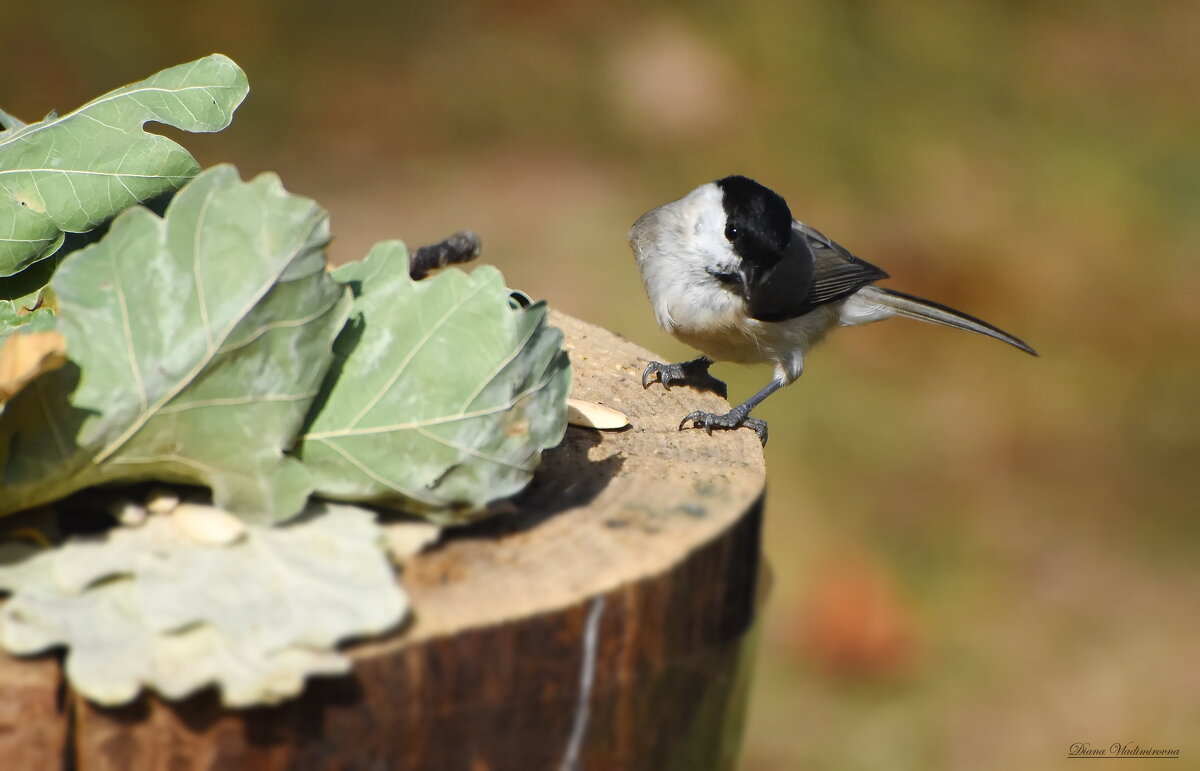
{"x": 731, "y": 273}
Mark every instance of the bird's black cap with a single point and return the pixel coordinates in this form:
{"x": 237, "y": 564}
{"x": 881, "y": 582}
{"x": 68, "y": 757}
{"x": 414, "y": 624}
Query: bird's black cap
{"x": 758, "y": 222}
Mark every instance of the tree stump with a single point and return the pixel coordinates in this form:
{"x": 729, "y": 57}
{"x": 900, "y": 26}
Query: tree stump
{"x": 602, "y": 625}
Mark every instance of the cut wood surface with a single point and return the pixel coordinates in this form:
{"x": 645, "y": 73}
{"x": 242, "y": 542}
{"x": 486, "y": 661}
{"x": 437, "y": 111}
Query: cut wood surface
{"x": 601, "y": 624}
{"x": 33, "y": 720}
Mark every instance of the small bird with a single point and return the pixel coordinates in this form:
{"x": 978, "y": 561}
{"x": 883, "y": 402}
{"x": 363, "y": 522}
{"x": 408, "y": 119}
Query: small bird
{"x": 731, "y": 273}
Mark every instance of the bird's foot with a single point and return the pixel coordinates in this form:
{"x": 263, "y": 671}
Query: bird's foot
{"x": 735, "y": 418}
{"x": 693, "y": 373}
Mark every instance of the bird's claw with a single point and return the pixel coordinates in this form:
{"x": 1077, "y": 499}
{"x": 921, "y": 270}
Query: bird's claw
{"x": 667, "y": 374}
{"x": 694, "y": 373}
{"x": 727, "y": 422}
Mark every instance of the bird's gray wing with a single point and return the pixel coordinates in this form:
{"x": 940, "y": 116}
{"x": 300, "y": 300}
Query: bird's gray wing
{"x": 836, "y": 272}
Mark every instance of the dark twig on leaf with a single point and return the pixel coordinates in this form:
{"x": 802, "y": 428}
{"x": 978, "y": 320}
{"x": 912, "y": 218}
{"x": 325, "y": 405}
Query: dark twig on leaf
{"x": 463, "y": 246}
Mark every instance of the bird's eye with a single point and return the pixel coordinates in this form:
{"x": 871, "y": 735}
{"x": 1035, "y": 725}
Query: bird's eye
{"x": 731, "y": 232}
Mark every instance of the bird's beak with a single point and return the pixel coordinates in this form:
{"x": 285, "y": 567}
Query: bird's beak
{"x": 748, "y": 273}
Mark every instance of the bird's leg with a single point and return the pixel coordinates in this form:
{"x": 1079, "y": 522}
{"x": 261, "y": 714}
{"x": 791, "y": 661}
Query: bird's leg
{"x": 738, "y": 417}
{"x": 693, "y": 373}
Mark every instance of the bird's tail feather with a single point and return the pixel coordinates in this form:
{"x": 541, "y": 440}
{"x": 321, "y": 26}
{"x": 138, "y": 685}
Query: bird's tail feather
{"x": 926, "y": 310}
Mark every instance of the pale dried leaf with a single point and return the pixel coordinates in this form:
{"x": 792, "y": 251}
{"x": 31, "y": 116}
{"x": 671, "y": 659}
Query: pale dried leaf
{"x": 149, "y": 607}
{"x": 25, "y": 356}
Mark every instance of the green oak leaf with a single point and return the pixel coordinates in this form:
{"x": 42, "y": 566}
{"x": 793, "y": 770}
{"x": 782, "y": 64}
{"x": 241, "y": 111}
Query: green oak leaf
{"x": 443, "y": 395}
{"x": 69, "y": 173}
{"x": 31, "y": 313}
{"x": 197, "y": 343}
{"x": 26, "y": 297}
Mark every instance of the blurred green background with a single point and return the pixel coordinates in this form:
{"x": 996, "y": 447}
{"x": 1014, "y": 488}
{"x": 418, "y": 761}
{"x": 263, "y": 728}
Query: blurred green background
{"x": 980, "y": 557}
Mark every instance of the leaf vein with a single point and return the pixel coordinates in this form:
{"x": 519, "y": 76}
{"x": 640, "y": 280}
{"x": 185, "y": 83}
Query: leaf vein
{"x": 516, "y": 351}
{"x": 94, "y": 173}
{"x": 284, "y": 324}
{"x": 508, "y": 405}
{"x": 235, "y": 401}
{"x": 381, "y": 480}
{"x": 141, "y": 420}
{"x": 182, "y": 460}
{"x": 473, "y": 452}
{"x": 119, "y": 94}
{"x": 200, "y": 298}
{"x": 437, "y": 325}
{"x": 127, "y": 330}
{"x": 49, "y": 413}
